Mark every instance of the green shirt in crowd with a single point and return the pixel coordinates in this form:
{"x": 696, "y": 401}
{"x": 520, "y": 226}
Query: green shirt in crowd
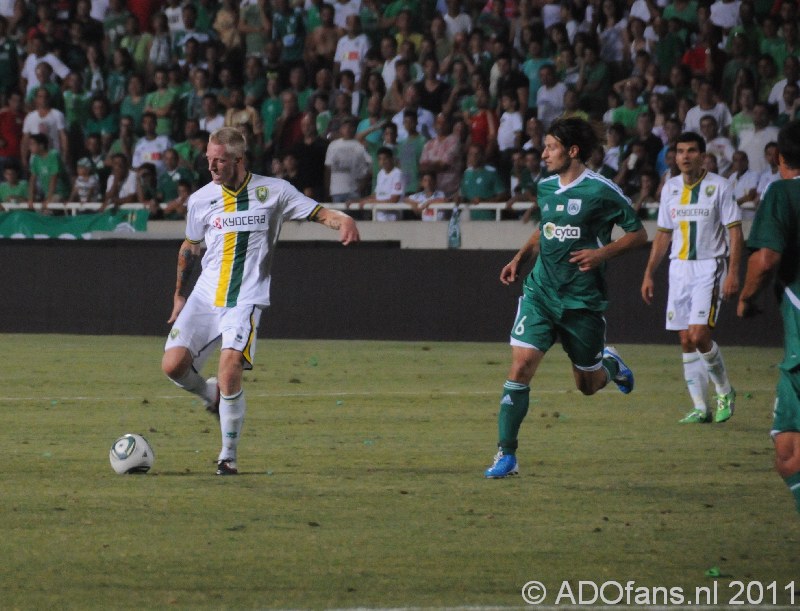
{"x": 43, "y": 168}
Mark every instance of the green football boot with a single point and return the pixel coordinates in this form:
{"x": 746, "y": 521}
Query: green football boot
{"x": 696, "y": 416}
{"x": 725, "y": 406}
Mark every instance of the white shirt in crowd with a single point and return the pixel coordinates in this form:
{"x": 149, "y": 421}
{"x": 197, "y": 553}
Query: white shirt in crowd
{"x": 725, "y": 15}
{"x": 776, "y": 95}
{"x": 349, "y": 163}
{"x": 722, "y": 148}
{"x": 212, "y": 124}
{"x": 28, "y": 71}
{"x": 151, "y": 151}
{"x": 550, "y": 103}
{"x": 753, "y": 142}
{"x": 767, "y": 177}
{"x": 128, "y": 185}
{"x": 720, "y": 112}
{"x": 387, "y": 185}
{"x": 51, "y": 124}
{"x": 510, "y": 126}
{"x": 455, "y": 25}
{"x": 351, "y": 53}
{"x": 342, "y": 10}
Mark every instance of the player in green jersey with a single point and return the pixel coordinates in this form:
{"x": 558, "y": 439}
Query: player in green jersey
{"x": 775, "y": 240}
{"x": 565, "y": 294}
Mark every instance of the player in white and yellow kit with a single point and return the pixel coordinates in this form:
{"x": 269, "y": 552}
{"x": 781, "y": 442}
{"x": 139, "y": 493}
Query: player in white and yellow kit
{"x": 239, "y": 216}
{"x": 699, "y": 217}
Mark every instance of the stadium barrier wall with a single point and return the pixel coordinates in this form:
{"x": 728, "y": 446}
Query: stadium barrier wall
{"x": 322, "y": 290}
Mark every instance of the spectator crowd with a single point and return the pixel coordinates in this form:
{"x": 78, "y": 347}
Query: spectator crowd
{"x": 363, "y": 101}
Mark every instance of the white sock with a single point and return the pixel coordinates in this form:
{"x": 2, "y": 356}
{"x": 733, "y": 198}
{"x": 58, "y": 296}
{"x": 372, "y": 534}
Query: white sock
{"x": 231, "y": 419}
{"x": 194, "y": 383}
{"x": 716, "y": 369}
{"x": 696, "y": 375}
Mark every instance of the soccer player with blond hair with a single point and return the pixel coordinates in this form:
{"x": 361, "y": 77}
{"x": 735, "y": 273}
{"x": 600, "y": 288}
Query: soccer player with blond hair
{"x": 238, "y": 215}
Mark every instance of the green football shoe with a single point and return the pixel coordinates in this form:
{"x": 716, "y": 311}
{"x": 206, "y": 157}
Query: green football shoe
{"x": 696, "y": 416}
{"x": 725, "y": 406}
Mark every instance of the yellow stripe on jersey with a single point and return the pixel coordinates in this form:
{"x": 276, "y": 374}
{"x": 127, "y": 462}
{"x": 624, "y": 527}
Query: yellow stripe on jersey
{"x": 689, "y": 195}
{"x": 228, "y": 252}
{"x": 250, "y": 339}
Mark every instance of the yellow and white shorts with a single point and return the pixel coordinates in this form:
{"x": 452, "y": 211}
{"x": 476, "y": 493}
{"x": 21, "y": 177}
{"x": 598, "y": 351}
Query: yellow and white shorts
{"x": 695, "y": 292}
{"x": 201, "y": 327}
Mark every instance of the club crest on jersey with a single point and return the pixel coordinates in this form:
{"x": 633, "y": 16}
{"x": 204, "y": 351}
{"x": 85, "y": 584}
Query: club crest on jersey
{"x": 262, "y": 193}
{"x": 710, "y": 190}
{"x": 573, "y": 206}
{"x": 551, "y": 231}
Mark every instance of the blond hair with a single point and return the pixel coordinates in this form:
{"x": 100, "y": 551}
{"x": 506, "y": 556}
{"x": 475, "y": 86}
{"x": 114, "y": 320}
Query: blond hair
{"x": 231, "y": 138}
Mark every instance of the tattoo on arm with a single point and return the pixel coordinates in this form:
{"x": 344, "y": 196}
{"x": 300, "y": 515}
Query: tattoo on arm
{"x": 186, "y": 262}
{"x": 329, "y": 218}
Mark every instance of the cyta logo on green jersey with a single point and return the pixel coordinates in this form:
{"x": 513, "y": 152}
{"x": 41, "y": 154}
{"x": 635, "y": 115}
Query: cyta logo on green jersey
{"x": 551, "y": 231}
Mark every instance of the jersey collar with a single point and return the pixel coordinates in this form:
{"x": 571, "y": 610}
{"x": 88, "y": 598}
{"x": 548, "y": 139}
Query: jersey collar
{"x": 583, "y": 175}
{"x": 239, "y": 190}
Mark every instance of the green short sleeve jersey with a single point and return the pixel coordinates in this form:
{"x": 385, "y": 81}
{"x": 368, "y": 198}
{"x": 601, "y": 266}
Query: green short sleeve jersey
{"x": 483, "y": 183}
{"x": 271, "y": 109}
{"x": 578, "y": 216}
{"x": 14, "y": 193}
{"x": 43, "y": 168}
{"x": 159, "y": 100}
{"x": 777, "y": 227}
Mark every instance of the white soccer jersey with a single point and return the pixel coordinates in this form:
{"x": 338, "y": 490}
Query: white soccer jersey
{"x": 151, "y": 151}
{"x": 389, "y": 184}
{"x": 240, "y": 230}
{"x": 697, "y": 216}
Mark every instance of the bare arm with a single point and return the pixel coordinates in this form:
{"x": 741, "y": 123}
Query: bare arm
{"x": 731, "y": 286}
{"x": 529, "y": 250}
{"x": 659, "y": 249}
{"x": 335, "y": 219}
{"x": 188, "y": 254}
{"x": 760, "y": 268}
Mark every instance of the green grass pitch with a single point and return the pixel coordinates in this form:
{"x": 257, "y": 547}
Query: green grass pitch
{"x": 362, "y": 481}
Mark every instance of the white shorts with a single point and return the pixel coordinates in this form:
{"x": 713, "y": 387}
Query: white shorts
{"x": 695, "y": 292}
{"x": 200, "y": 327}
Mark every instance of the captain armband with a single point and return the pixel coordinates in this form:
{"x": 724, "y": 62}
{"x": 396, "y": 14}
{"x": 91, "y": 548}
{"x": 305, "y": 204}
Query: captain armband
{"x": 315, "y": 212}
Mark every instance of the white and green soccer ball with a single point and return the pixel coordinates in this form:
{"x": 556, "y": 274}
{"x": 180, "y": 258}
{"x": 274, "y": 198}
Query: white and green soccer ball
{"x": 131, "y": 453}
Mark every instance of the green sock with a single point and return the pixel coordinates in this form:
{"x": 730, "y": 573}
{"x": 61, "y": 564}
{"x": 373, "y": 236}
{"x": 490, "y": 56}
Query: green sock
{"x": 793, "y": 481}
{"x": 513, "y": 407}
{"x": 611, "y": 366}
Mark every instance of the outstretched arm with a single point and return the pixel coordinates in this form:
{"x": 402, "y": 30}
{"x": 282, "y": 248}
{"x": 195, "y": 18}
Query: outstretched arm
{"x": 760, "y": 267}
{"x": 344, "y": 224}
{"x": 187, "y": 258}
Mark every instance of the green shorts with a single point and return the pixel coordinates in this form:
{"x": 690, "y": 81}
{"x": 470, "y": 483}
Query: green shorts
{"x": 582, "y": 332}
{"x": 786, "y": 417}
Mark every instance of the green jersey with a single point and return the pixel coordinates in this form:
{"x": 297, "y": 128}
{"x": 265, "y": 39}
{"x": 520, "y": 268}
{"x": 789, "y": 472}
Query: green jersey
{"x": 14, "y": 193}
{"x": 44, "y": 168}
{"x": 289, "y": 29}
{"x": 167, "y": 184}
{"x": 777, "y": 227}
{"x": 576, "y": 217}
{"x": 162, "y": 99}
{"x": 482, "y": 182}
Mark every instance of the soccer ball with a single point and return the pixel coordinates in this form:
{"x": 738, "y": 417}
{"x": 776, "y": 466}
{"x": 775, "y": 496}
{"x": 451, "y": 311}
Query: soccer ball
{"x": 131, "y": 453}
